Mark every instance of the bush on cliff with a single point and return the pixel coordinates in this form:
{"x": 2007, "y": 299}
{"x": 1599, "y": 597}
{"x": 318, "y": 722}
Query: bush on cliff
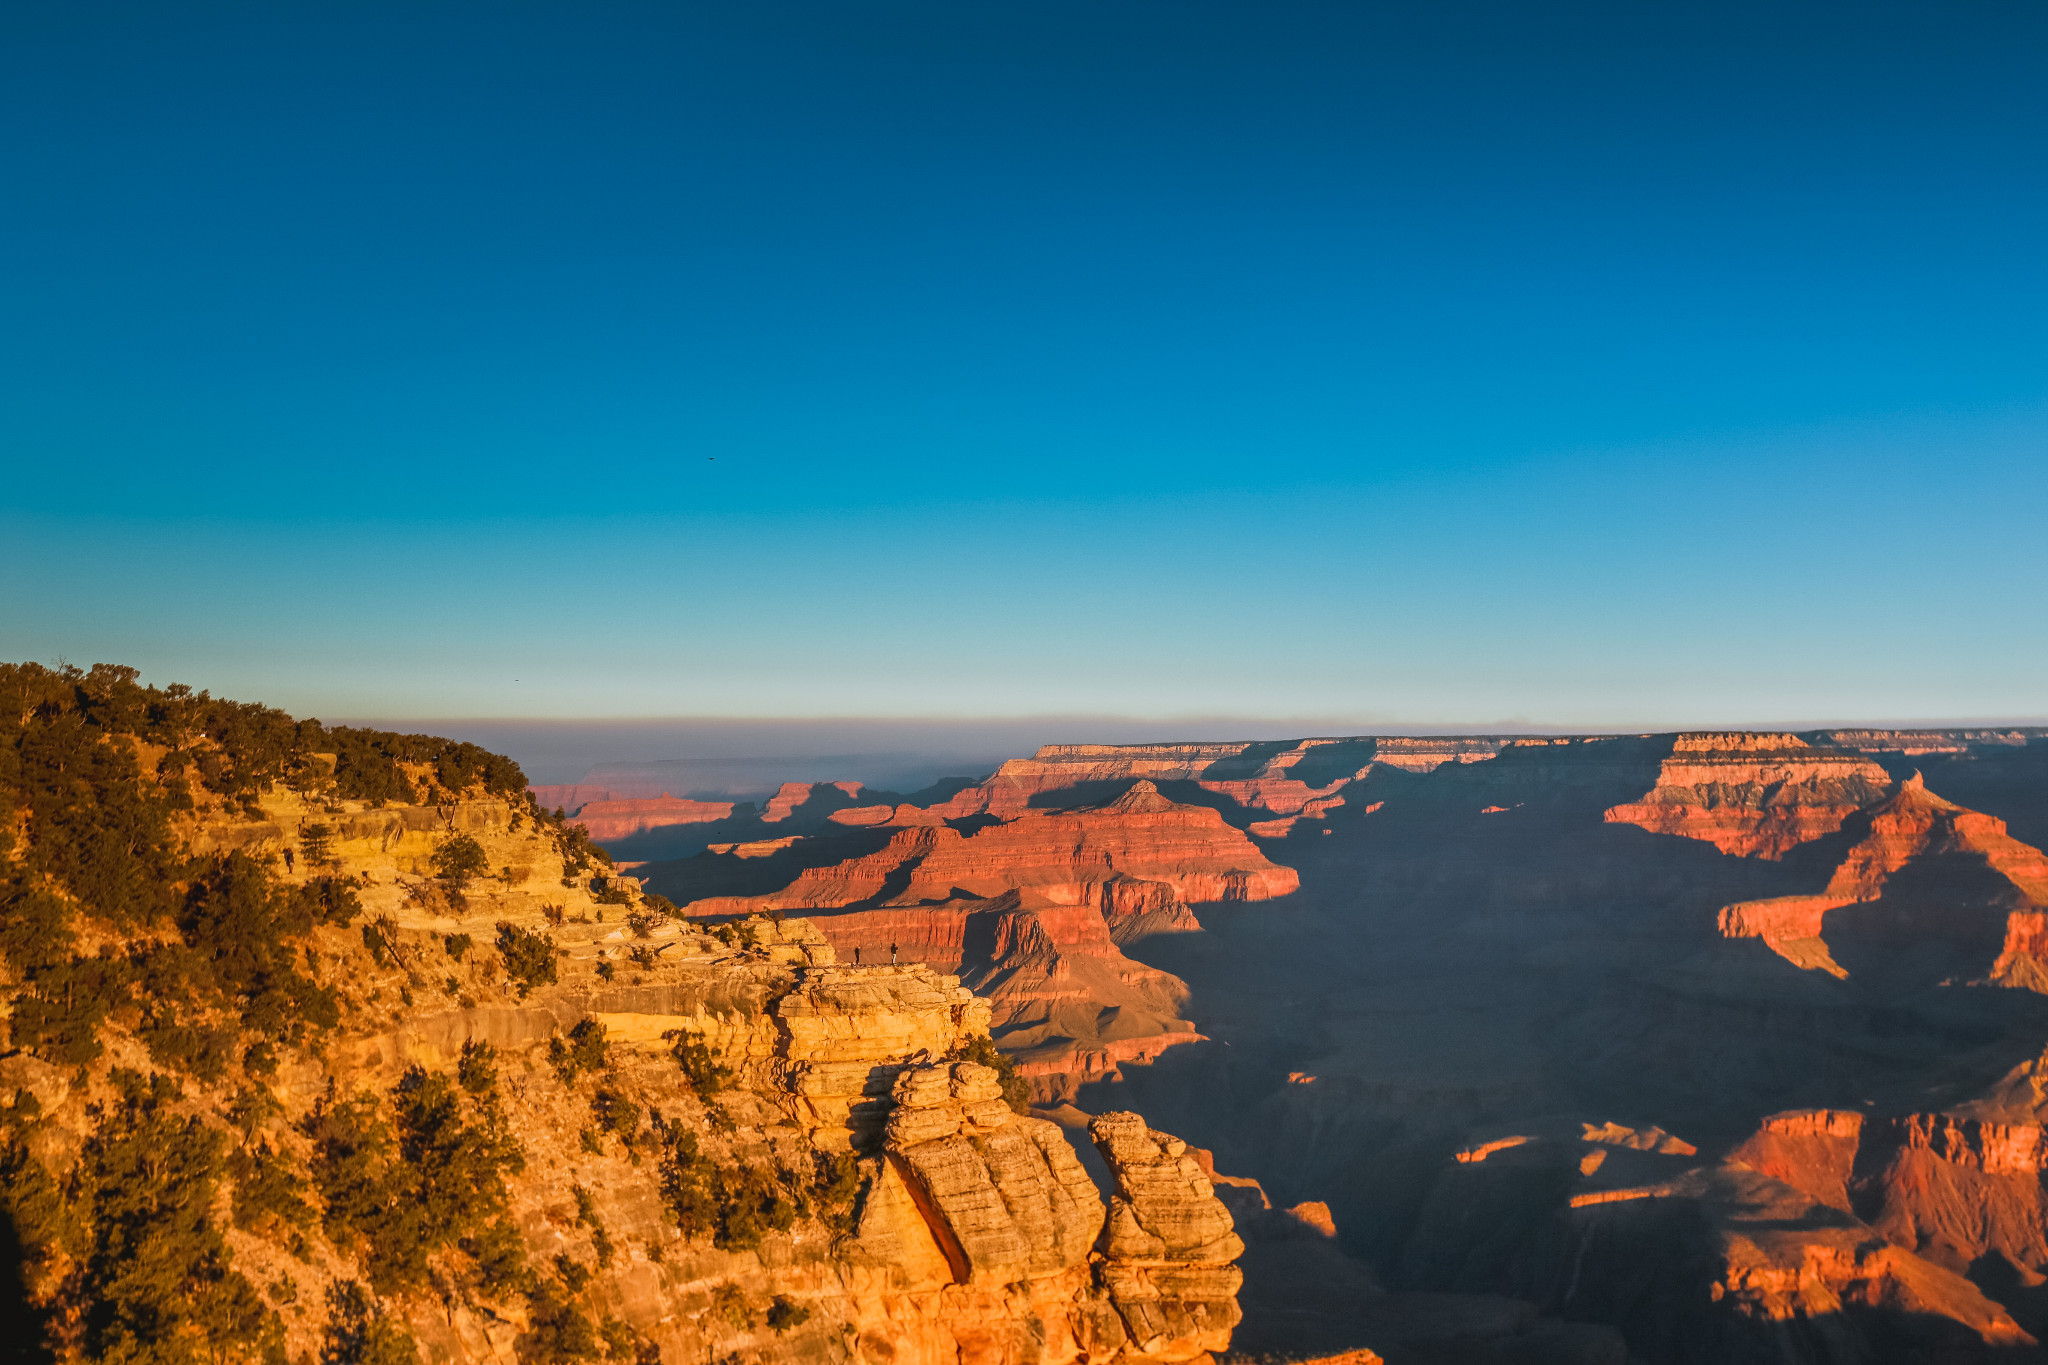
{"x": 396, "y": 1193}
{"x": 153, "y": 1283}
{"x": 982, "y": 1050}
{"x": 360, "y": 1332}
{"x": 112, "y": 934}
{"x": 706, "y": 1077}
{"x": 529, "y": 956}
{"x": 459, "y": 860}
{"x": 585, "y": 1049}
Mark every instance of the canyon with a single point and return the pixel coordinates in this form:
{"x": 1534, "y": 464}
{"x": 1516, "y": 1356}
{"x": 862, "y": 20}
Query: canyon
{"x": 1340, "y": 964}
{"x": 1593, "y": 1049}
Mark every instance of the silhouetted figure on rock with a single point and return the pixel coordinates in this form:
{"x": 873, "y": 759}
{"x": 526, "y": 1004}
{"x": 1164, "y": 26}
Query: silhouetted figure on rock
{"x": 892, "y": 955}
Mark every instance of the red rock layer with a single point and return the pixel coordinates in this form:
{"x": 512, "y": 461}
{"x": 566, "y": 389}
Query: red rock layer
{"x": 1066, "y": 1001}
{"x": 1950, "y": 1189}
{"x": 1033, "y": 910}
{"x": 1913, "y": 824}
{"x": 791, "y": 795}
{"x": 1427, "y": 753}
{"x": 1281, "y": 795}
{"x": 1068, "y": 856}
{"x": 1754, "y": 795}
{"x": 1812, "y": 1150}
{"x": 1099, "y": 856}
{"x": 842, "y": 883}
{"x": 1916, "y": 742}
{"x": 617, "y": 819}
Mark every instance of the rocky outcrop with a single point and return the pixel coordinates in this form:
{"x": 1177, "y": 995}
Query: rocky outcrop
{"x": 1069, "y": 857}
{"x": 1914, "y": 743}
{"x": 1812, "y": 1150}
{"x": 619, "y": 819}
{"x": 1065, "y": 1000}
{"x": 1276, "y": 777}
{"x": 809, "y": 800}
{"x": 1427, "y": 753}
{"x": 569, "y": 797}
{"x": 1034, "y": 911}
{"x": 1915, "y": 825}
{"x": 1001, "y": 1202}
{"x": 377, "y": 1080}
{"x": 1702, "y": 1262}
{"x": 1754, "y": 795}
{"x": 1170, "y": 1248}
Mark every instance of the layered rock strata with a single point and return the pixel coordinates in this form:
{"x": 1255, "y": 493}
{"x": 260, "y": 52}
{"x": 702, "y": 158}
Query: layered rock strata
{"x": 1915, "y": 825}
{"x": 1703, "y": 1262}
{"x": 621, "y": 819}
{"x": 1754, "y": 795}
{"x": 1035, "y": 911}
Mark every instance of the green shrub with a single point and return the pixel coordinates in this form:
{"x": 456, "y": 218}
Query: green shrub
{"x": 785, "y": 1313}
{"x": 615, "y": 1114}
{"x": 586, "y": 1214}
{"x": 240, "y": 928}
{"x": 457, "y": 945}
{"x": 380, "y": 936}
{"x": 360, "y": 1332}
{"x": 585, "y": 1049}
{"x": 835, "y": 1189}
{"x": 459, "y": 860}
{"x": 556, "y": 1331}
{"x": 398, "y": 1192}
{"x": 706, "y": 1077}
{"x": 266, "y": 1191}
{"x": 156, "y": 1284}
{"x": 729, "y": 1302}
{"x": 477, "y": 1071}
{"x": 529, "y": 956}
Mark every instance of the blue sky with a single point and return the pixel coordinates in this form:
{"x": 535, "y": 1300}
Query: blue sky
{"x": 1574, "y": 364}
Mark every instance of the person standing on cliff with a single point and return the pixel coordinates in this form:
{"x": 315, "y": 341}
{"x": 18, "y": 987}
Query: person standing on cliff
{"x": 856, "y": 955}
{"x": 892, "y": 955}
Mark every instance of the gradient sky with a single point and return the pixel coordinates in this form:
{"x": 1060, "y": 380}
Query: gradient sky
{"x": 1429, "y": 363}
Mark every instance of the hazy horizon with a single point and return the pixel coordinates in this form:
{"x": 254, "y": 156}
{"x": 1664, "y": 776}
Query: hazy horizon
{"x": 734, "y": 753}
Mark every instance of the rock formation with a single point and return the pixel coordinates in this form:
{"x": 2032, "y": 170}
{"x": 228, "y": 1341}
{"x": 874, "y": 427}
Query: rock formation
{"x": 620, "y": 819}
{"x": 341, "y": 1075}
{"x": 1034, "y": 911}
{"x": 1090, "y": 856}
{"x": 1913, "y": 826}
{"x": 1703, "y": 1261}
{"x": 1478, "y": 946}
{"x": 1754, "y": 795}
{"x": 1068, "y": 1004}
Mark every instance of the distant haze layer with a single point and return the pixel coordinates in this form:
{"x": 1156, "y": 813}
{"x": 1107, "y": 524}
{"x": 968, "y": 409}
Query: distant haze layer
{"x": 741, "y": 757}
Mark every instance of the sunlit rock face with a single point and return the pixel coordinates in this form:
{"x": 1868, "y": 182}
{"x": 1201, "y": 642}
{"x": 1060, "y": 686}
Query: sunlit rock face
{"x": 1927, "y": 870}
{"x": 1754, "y": 795}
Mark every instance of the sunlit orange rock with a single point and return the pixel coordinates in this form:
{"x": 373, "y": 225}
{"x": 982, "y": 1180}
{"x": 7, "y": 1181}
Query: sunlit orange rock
{"x": 1754, "y": 795}
{"x": 1915, "y": 823}
{"x": 618, "y": 819}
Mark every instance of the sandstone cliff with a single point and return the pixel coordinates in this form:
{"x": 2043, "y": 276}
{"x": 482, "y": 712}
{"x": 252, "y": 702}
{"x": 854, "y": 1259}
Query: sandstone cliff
{"x": 1917, "y": 828}
{"x": 620, "y": 819}
{"x": 1754, "y": 795}
{"x": 1702, "y": 1262}
{"x": 300, "y": 1072}
{"x": 1034, "y": 910}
